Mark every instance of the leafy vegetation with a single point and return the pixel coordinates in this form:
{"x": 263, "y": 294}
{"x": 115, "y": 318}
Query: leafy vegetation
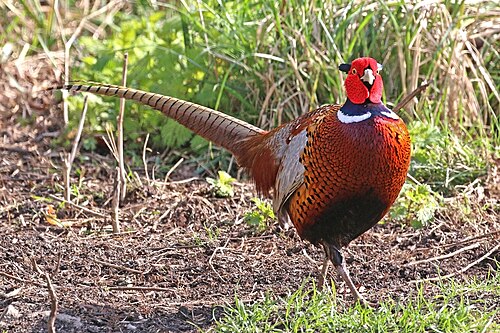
{"x": 260, "y": 216}
{"x": 222, "y": 185}
{"x": 443, "y": 160}
{"x": 267, "y": 62}
{"x": 310, "y": 310}
{"x": 416, "y": 205}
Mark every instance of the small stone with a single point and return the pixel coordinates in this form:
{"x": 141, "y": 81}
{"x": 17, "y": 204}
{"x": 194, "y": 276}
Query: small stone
{"x": 13, "y": 311}
{"x": 131, "y": 327}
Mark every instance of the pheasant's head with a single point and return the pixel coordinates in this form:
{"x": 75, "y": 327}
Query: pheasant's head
{"x": 363, "y": 83}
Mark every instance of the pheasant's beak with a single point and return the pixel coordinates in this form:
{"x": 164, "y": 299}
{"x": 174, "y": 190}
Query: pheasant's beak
{"x": 368, "y": 77}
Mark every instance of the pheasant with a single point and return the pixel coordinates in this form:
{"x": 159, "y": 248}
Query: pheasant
{"x": 333, "y": 172}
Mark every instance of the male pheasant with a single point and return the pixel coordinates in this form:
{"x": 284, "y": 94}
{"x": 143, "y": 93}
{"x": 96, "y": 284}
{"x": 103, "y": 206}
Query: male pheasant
{"x": 334, "y": 172}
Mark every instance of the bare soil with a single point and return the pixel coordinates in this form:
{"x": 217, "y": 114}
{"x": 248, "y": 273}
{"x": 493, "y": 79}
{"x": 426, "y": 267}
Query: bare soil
{"x": 183, "y": 253}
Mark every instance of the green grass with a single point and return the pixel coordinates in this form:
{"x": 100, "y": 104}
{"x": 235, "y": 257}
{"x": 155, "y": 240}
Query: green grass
{"x": 455, "y": 307}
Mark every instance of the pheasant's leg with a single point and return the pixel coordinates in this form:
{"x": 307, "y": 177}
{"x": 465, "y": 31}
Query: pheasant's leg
{"x": 338, "y": 262}
{"x": 324, "y": 271}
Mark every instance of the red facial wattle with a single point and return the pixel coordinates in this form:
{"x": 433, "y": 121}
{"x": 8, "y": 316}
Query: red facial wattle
{"x": 357, "y": 91}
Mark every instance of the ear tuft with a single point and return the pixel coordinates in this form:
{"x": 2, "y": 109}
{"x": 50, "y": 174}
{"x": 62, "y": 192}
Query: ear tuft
{"x": 345, "y": 67}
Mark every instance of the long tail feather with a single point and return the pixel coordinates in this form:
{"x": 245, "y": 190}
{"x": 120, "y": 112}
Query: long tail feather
{"x": 220, "y": 128}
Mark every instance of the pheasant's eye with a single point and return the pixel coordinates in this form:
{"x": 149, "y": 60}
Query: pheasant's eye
{"x": 354, "y": 71}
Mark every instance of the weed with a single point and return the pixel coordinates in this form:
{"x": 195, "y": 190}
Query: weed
{"x": 416, "y": 205}
{"x": 442, "y": 160}
{"x": 260, "y": 216}
{"x": 212, "y": 232}
{"x": 222, "y": 186}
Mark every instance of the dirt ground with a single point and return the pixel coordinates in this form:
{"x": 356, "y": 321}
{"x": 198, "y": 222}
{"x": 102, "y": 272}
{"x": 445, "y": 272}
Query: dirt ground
{"x": 183, "y": 253}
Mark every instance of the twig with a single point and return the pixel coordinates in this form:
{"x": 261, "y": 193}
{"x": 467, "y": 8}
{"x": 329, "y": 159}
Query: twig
{"x": 110, "y": 235}
{"x": 463, "y": 270}
{"x": 17, "y": 150}
{"x": 469, "y": 239}
{"x": 137, "y": 288}
{"x": 121, "y": 163}
{"x": 172, "y": 169}
{"x": 53, "y": 298}
{"x": 68, "y": 160}
{"x": 444, "y": 256}
{"x": 212, "y": 257}
{"x": 410, "y": 96}
{"x": 9, "y": 276}
{"x": 116, "y": 202}
{"x": 123, "y": 268}
{"x": 53, "y": 305}
{"x": 144, "y": 148}
{"x": 78, "y": 206}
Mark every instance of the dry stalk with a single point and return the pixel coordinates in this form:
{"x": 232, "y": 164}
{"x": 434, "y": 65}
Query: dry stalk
{"x": 85, "y": 209}
{"x": 69, "y": 43}
{"x": 221, "y": 249}
{"x": 444, "y": 256}
{"x": 68, "y": 160}
{"x": 172, "y": 169}
{"x": 53, "y": 305}
{"x": 123, "y": 268}
{"x": 139, "y": 288}
{"x": 121, "y": 163}
{"x": 145, "y": 147}
{"x": 120, "y": 184}
{"x": 463, "y": 270}
{"x": 67, "y": 49}
{"x": 116, "y": 202}
{"x": 111, "y": 142}
{"x": 411, "y": 95}
{"x": 51, "y": 328}
{"x": 115, "y": 199}
{"x": 15, "y": 278}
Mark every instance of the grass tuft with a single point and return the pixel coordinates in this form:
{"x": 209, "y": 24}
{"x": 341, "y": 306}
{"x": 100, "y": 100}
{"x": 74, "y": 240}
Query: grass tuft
{"x": 452, "y": 309}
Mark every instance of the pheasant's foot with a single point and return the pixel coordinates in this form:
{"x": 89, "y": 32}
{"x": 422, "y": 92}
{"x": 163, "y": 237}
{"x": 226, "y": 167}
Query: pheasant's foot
{"x": 338, "y": 261}
{"x": 324, "y": 268}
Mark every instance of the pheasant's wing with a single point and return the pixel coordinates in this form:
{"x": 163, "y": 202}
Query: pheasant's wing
{"x": 290, "y": 175}
{"x": 291, "y": 170}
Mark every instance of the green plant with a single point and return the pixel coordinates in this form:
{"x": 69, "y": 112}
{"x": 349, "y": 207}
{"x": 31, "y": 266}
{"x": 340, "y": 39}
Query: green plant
{"x": 443, "y": 160}
{"x": 268, "y": 63}
{"x": 260, "y": 216}
{"x": 416, "y": 206}
{"x": 310, "y": 310}
{"x": 212, "y": 232}
{"x": 222, "y": 185}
